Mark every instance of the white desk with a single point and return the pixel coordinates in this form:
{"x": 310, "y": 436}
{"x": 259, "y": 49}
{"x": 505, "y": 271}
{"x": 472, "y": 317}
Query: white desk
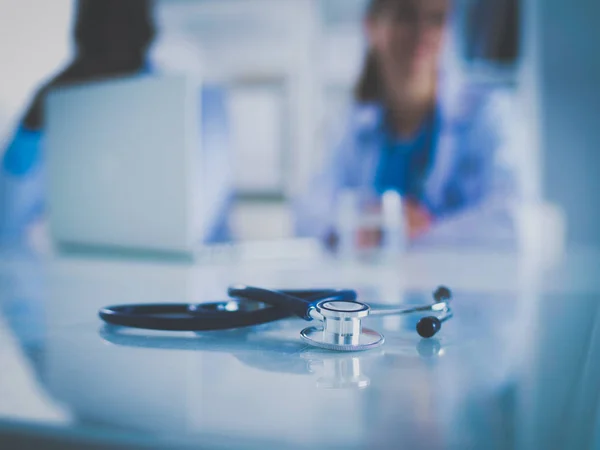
{"x": 518, "y": 366}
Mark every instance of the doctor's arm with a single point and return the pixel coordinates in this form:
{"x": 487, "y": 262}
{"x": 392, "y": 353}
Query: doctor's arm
{"x": 483, "y": 183}
{"x": 21, "y": 186}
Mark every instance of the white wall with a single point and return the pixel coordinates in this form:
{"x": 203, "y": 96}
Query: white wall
{"x": 34, "y": 43}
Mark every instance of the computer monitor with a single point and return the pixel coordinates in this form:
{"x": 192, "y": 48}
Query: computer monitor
{"x": 138, "y": 164}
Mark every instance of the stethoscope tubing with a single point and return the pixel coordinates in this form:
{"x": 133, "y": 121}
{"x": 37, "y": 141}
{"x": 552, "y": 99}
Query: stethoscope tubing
{"x": 298, "y": 302}
{"x": 213, "y": 316}
{"x": 185, "y": 317}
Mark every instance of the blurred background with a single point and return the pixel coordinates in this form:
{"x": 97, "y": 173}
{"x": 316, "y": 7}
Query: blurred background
{"x": 289, "y": 68}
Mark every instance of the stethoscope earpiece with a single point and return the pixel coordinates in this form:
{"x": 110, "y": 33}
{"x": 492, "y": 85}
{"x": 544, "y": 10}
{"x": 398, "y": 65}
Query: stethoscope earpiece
{"x": 428, "y": 327}
{"x": 442, "y": 294}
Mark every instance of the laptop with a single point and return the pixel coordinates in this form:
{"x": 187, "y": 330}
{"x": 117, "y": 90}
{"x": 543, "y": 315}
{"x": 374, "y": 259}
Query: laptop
{"x": 138, "y": 164}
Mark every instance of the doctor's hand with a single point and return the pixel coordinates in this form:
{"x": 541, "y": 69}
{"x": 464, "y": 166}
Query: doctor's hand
{"x": 417, "y": 218}
{"x": 417, "y": 222}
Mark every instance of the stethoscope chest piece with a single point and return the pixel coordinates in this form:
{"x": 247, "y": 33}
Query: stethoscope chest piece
{"x": 342, "y": 328}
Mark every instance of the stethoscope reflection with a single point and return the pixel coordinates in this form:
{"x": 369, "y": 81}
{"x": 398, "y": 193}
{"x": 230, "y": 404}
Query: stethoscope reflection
{"x": 338, "y": 371}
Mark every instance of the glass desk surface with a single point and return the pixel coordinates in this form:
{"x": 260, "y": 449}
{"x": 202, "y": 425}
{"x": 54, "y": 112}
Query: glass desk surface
{"x": 517, "y": 367}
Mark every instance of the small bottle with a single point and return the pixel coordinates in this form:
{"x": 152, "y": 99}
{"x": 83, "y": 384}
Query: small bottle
{"x": 394, "y": 231}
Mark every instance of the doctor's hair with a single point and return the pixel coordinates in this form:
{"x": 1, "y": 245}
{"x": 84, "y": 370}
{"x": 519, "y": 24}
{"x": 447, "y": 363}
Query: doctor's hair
{"x": 370, "y": 84}
{"x": 111, "y": 39}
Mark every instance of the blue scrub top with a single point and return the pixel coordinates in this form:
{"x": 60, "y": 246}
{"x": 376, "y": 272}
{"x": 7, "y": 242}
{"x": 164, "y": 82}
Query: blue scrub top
{"x": 404, "y": 163}
{"x": 21, "y": 184}
{"x": 449, "y": 166}
{"x": 23, "y": 154}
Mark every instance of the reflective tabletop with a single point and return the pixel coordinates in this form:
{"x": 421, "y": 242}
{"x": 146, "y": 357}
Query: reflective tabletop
{"x": 517, "y": 367}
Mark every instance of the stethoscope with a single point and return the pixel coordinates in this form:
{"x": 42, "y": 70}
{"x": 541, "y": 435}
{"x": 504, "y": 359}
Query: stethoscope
{"x": 339, "y": 312}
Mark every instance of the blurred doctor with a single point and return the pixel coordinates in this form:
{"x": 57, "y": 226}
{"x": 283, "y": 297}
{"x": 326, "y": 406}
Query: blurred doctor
{"x": 111, "y": 40}
{"x": 412, "y": 129}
